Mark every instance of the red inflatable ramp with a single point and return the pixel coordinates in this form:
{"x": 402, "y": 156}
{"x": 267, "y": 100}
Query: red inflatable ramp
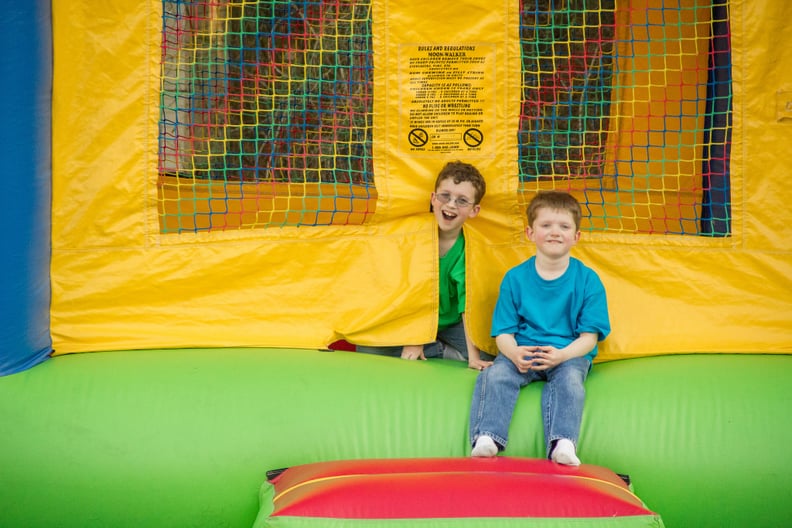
{"x": 436, "y": 488}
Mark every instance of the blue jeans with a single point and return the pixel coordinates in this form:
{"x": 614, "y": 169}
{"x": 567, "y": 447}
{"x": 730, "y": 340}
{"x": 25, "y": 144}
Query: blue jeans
{"x": 497, "y": 388}
{"x": 454, "y": 335}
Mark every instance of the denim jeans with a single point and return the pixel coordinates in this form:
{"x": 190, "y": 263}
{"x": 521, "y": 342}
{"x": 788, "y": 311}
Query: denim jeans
{"x": 497, "y": 388}
{"x": 454, "y": 335}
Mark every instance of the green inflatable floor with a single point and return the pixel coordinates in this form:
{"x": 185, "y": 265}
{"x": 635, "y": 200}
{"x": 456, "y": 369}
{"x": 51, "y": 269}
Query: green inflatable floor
{"x": 183, "y": 438}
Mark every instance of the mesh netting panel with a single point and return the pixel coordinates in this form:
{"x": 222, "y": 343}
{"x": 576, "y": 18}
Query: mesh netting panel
{"x": 265, "y": 114}
{"x": 629, "y": 108}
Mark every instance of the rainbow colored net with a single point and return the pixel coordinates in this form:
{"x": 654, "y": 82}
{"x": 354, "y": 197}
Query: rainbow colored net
{"x": 266, "y": 113}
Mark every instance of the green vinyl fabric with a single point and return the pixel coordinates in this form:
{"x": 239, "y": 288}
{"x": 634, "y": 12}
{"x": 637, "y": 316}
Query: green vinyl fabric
{"x": 164, "y": 438}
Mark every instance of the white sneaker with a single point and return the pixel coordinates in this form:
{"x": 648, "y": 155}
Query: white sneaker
{"x": 450, "y": 352}
{"x": 484, "y": 447}
{"x": 564, "y": 453}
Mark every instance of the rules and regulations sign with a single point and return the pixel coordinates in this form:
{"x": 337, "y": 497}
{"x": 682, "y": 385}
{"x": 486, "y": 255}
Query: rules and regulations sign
{"x": 446, "y": 98}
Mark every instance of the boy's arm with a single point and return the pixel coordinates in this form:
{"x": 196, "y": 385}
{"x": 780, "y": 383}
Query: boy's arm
{"x": 474, "y": 354}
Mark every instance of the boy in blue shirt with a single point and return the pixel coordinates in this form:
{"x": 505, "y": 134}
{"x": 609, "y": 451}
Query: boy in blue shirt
{"x": 550, "y": 314}
{"x": 459, "y": 188}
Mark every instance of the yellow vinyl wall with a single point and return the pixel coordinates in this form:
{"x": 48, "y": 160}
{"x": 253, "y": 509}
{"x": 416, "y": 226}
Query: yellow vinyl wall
{"x": 118, "y": 283}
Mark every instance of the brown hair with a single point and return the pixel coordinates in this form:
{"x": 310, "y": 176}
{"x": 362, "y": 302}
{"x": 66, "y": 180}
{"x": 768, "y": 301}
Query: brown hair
{"x": 463, "y": 172}
{"x": 556, "y": 200}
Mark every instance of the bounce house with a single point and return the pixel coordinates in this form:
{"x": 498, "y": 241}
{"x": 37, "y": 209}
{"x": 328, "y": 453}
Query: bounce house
{"x": 215, "y": 202}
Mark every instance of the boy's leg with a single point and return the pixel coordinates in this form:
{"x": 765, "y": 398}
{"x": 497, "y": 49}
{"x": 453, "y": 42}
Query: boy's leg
{"x": 562, "y": 401}
{"x": 433, "y": 350}
{"x": 391, "y": 351}
{"x": 454, "y": 336}
{"x": 494, "y": 398}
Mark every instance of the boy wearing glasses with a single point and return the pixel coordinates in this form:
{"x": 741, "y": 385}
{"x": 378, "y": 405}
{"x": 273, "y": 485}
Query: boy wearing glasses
{"x": 459, "y": 188}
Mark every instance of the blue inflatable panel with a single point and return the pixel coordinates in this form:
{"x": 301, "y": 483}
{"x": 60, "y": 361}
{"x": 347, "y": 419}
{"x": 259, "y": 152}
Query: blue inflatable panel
{"x": 25, "y": 138}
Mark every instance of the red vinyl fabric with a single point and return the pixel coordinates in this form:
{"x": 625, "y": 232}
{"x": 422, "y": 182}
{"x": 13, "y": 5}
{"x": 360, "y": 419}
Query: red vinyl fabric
{"x": 452, "y": 488}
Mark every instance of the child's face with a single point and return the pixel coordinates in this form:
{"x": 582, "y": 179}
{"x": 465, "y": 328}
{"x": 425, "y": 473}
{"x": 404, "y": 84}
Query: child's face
{"x": 453, "y": 203}
{"x": 553, "y": 232}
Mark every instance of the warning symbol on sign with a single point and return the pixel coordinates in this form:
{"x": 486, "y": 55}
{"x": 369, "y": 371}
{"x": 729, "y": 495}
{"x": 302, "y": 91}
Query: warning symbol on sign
{"x": 418, "y": 137}
{"x": 473, "y": 137}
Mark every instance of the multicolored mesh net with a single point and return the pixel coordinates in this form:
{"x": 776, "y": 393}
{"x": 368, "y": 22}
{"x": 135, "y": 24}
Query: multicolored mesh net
{"x": 266, "y": 113}
{"x": 630, "y": 107}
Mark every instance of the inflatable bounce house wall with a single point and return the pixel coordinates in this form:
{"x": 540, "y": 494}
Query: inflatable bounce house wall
{"x": 212, "y": 200}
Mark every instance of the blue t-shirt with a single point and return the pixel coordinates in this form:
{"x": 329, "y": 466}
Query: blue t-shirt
{"x": 551, "y": 312}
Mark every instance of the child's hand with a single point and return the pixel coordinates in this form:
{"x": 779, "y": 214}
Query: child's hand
{"x": 413, "y": 352}
{"x": 478, "y": 364}
{"x": 523, "y": 357}
{"x": 547, "y": 357}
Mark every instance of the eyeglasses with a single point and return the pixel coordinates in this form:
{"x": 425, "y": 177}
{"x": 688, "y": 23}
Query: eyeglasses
{"x": 460, "y": 201}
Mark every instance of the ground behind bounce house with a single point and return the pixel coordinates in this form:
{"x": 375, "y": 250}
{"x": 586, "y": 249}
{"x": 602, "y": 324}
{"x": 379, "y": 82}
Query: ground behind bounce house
{"x": 152, "y": 376}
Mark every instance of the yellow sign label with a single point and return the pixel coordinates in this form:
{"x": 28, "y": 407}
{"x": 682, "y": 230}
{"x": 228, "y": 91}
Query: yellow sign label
{"x": 447, "y": 99}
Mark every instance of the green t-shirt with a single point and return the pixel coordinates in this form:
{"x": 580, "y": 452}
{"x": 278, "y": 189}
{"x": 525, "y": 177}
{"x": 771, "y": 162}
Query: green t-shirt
{"x": 452, "y": 285}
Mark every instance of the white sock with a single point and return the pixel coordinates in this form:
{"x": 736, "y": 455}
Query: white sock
{"x": 484, "y": 447}
{"x": 564, "y": 453}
